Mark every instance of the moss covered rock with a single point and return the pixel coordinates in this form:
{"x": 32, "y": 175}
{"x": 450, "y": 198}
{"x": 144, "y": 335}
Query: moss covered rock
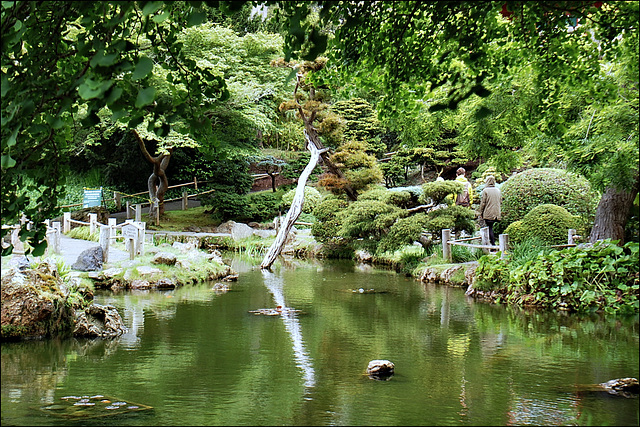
{"x": 35, "y": 304}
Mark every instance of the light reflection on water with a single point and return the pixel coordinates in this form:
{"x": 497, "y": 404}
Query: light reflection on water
{"x": 200, "y": 358}
{"x": 291, "y": 323}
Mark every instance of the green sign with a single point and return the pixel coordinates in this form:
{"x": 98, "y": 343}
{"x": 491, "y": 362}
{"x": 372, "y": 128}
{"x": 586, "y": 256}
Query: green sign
{"x": 92, "y": 198}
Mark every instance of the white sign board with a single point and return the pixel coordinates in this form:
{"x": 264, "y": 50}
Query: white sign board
{"x": 130, "y": 231}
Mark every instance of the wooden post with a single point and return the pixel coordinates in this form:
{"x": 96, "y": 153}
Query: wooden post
{"x": 142, "y": 226}
{"x": 129, "y": 232}
{"x": 195, "y": 182}
{"x": 185, "y": 200}
{"x": 117, "y": 198}
{"x": 66, "y": 222}
{"x": 105, "y": 237}
{"x": 128, "y": 209}
{"x": 18, "y": 246}
{"x": 484, "y": 234}
{"x": 112, "y": 222}
{"x": 446, "y": 248}
{"x": 56, "y": 237}
{"x": 570, "y": 237}
{"x": 93, "y": 220}
{"x": 503, "y": 239}
{"x": 156, "y": 203}
{"x": 138, "y": 212}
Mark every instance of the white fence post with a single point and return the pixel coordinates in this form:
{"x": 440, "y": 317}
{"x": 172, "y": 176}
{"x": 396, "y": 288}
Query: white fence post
{"x": 503, "y": 239}
{"x": 484, "y": 234}
{"x": 66, "y": 222}
{"x": 571, "y": 236}
{"x": 138, "y": 212}
{"x": 128, "y": 209}
{"x": 56, "y": 237}
{"x": 93, "y": 220}
{"x": 18, "y": 246}
{"x": 112, "y": 222}
{"x": 446, "y": 248}
{"x": 104, "y": 241}
{"x": 142, "y": 226}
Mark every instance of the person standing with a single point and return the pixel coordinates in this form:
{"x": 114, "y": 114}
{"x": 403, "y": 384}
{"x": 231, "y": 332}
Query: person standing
{"x": 465, "y": 198}
{"x": 489, "y": 209}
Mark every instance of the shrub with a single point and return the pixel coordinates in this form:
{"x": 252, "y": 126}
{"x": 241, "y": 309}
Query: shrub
{"x": 401, "y": 199}
{"x": 438, "y": 190}
{"x": 548, "y": 222}
{"x": 264, "y": 205}
{"x": 404, "y": 232}
{"x": 312, "y": 198}
{"x": 328, "y": 208}
{"x": 526, "y": 190}
{"x": 228, "y": 204}
{"x": 326, "y": 228}
{"x": 454, "y": 217}
{"x": 368, "y": 219}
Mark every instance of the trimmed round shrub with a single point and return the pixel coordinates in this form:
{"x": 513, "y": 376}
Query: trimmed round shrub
{"x": 312, "y": 198}
{"x": 528, "y": 189}
{"x": 549, "y": 223}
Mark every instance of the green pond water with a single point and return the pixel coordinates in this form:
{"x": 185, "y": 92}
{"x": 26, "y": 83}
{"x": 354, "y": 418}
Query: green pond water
{"x": 199, "y": 357}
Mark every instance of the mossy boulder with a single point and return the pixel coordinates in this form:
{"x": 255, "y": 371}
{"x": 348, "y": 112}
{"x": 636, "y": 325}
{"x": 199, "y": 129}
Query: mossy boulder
{"x": 547, "y": 222}
{"x": 528, "y": 189}
{"x": 35, "y": 304}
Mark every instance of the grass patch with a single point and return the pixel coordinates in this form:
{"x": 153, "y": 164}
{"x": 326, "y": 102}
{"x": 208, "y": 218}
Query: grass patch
{"x": 84, "y": 233}
{"x": 180, "y": 220}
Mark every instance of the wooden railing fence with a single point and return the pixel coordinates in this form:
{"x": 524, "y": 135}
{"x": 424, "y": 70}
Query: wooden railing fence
{"x": 503, "y": 242}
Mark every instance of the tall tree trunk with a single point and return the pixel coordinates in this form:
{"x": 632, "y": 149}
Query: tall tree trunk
{"x": 273, "y": 181}
{"x": 158, "y": 184}
{"x": 612, "y": 214}
{"x": 295, "y": 209}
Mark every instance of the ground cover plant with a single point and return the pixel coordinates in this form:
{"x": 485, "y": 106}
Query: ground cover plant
{"x": 601, "y": 277}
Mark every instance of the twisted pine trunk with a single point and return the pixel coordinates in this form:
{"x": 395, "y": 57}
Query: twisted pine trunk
{"x": 158, "y": 184}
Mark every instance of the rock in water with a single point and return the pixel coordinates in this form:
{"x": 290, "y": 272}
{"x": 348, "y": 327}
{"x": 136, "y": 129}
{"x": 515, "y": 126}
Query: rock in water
{"x": 380, "y": 369}
{"x": 89, "y": 260}
{"x": 99, "y": 321}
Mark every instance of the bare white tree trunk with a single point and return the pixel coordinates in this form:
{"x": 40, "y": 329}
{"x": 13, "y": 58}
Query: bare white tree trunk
{"x": 295, "y": 209}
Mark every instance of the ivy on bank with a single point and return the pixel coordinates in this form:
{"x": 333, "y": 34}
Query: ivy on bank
{"x": 603, "y": 277}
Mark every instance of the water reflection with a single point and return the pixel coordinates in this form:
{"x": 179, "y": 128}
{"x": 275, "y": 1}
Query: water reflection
{"x": 292, "y": 325}
{"x": 201, "y": 358}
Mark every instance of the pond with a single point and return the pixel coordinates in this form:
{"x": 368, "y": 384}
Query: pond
{"x": 198, "y": 356}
